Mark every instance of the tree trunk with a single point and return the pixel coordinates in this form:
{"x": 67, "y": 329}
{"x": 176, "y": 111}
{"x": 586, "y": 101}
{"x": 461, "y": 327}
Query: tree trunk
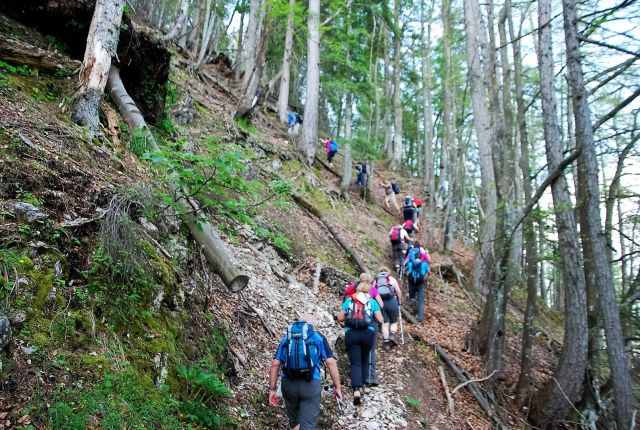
{"x": 283, "y": 96}
{"x": 624, "y": 399}
{"x": 207, "y": 28}
{"x": 313, "y": 82}
{"x": 558, "y": 395}
{"x": 388, "y": 94}
{"x": 237, "y": 69}
{"x": 102, "y": 43}
{"x": 429, "y": 177}
{"x": 396, "y": 159}
{"x": 484, "y": 266}
{"x": 206, "y": 237}
{"x": 347, "y": 168}
{"x": 251, "y": 45}
{"x": 183, "y": 13}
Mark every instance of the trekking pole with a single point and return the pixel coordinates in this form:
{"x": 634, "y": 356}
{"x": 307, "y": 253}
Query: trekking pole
{"x": 401, "y": 326}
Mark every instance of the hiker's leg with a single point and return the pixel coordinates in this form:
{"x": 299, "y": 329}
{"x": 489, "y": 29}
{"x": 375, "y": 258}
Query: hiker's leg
{"x": 352, "y": 340}
{"x": 291, "y": 400}
{"x": 367, "y": 345}
{"x": 420, "y": 292}
{"x": 309, "y": 410}
{"x": 412, "y": 291}
{"x": 372, "y": 377}
{"x": 385, "y": 331}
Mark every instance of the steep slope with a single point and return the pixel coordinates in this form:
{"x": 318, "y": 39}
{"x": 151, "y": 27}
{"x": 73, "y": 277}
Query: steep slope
{"x": 106, "y": 340}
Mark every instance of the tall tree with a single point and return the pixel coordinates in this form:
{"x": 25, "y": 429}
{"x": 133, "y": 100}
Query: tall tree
{"x": 552, "y": 403}
{"x": 590, "y": 195}
{"x": 428, "y": 173}
{"x": 102, "y": 43}
{"x": 251, "y": 44}
{"x": 313, "y": 82}
{"x": 283, "y": 95}
{"x": 396, "y": 158}
{"x": 181, "y": 19}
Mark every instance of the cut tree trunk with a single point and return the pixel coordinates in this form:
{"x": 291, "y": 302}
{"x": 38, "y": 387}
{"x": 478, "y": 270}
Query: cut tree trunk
{"x": 204, "y": 234}
{"x": 102, "y": 43}
{"x": 18, "y": 52}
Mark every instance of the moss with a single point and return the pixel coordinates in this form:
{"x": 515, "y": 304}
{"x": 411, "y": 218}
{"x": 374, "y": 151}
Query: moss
{"x": 43, "y": 283}
{"x": 94, "y": 364}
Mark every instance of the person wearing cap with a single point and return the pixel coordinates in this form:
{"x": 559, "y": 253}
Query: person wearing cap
{"x": 410, "y": 227}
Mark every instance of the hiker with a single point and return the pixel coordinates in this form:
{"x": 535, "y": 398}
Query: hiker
{"x": 294, "y": 119}
{"x": 298, "y": 359}
{"x": 416, "y": 251}
{"x": 417, "y": 269}
{"x": 390, "y": 195}
{"x": 359, "y": 313}
{"x": 391, "y": 294}
{"x": 410, "y": 227}
{"x": 408, "y": 209}
{"x": 361, "y": 168}
{"x": 371, "y": 377}
{"x": 399, "y": 239}
{"x": 331, "y": 146}
{"x": 418, "y": 204}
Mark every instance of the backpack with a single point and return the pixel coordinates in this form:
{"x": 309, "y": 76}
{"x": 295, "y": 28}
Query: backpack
{"x": 383, "y": 284}
{"x": 408, "y": 203}
{"x": 394, "y": 236}
{"x": 415, "y": 274}
{"x": 359, "y": 315}
{"x": 301, "y": 352}
{"x": 395, "y": 188}
{"x": 334, "y": 146}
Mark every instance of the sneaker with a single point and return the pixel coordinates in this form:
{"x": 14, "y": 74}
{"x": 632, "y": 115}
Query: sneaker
{"x": 366, "y": 389}
{"x": 392, "y": 339}
{"x": 386, "y": 345}
{"x": 357, "y": 397}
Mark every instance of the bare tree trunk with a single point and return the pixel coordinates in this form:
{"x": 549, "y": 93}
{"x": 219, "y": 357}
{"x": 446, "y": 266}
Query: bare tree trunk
{"x": 183, "y": 13}
{"x": 556, "y": 399}
{"x": 238, "y": 65}
{"x": 396, "y": 159}
{"x": 214, "y": 249}
{"x": 388, "y": 93}
{"x": 192, "y": 39}
{"x": 624, "y": 399}
{"x": 102, "y": 43}
{"x": 283, "y": 96}
{"x": 347, "y": 169}
{"x": 251, "y": 45}
{"x": 429, "y": 177}
{"x": 483, "y": 273}
{"x": 313, "y": 82}
{"x": 206, "y": 33}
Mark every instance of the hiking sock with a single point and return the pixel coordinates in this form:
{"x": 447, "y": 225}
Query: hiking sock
{"x": 385, "y": 331}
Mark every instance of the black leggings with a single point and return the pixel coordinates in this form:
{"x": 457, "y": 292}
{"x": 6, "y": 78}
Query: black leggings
{"x": 359, "y": 343}
{"x": 390, "y": 310}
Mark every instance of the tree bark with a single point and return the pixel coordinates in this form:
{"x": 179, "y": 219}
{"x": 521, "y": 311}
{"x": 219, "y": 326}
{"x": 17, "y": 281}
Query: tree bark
{"x": 313, "y": 82}
{"x": 396, "y": 159}
{"x": 624, "y": 399}
{"x": 183, "y": 13}
{"x": 102, "y": 43}
{"x": 20, "y": 52}
{"x": 207, "y": 29}
{"x": 238, "y": 66}
{"x": 251, "y": 45}
{"x": 347, "y": 168}
{"x": 388, "y": 94}
{"x": 283, "y": 95}
{"x": 556, "y": 398}
{"x": 429, "y": 177}
{"x": 204, "y": 234}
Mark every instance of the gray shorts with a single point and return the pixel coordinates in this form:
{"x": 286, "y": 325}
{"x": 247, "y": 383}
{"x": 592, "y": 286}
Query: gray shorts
{"x": 302, "y": 402}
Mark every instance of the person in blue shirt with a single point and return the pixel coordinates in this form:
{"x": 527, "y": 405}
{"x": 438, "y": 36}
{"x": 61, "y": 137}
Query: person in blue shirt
{"x": 417, "y": 269}
{"x": 302, "y": 396}
{"x": 361, "y": 168}
{"x": 294, "y": 120}
{"x": 359, "y": 313}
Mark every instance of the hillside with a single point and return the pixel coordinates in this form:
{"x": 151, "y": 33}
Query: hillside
{"x": 115, "y": 313}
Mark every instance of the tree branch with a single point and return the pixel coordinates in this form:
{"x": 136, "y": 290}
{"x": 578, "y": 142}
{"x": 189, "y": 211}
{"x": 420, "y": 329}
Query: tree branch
{"x": 606, "y": 45}
{"x": 616, "y": 109}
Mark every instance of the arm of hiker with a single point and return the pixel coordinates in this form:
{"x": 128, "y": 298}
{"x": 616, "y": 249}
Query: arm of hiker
{"x": 332, "y": 365}
{"x": 274, "y": 400}
{"x": 343, "y": 310}
{"x": 379, "y": 300}
{"x": 398, "y": 289}
{"x": 378, "y": 316}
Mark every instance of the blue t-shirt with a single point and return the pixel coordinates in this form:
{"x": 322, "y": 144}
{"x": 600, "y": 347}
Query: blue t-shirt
{"x": 424, "y": 268}
{"x": 375, "y": 307}
{"x": 324, "y": 351}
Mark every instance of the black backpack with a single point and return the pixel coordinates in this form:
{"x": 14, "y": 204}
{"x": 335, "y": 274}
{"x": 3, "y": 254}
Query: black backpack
{"x": 408, "y": 203}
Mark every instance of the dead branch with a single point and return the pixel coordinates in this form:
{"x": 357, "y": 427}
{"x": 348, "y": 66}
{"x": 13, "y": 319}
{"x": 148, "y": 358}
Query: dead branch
{"x": 470, "y": 381}
{"x": 329, "y": 168}
{"x": 443, "y": 379}
{"x": 485, "y": 404}
{"x": 19, "y": 52}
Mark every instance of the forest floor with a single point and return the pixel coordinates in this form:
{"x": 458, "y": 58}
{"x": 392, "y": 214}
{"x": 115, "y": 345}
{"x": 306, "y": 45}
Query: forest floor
{"x": 47, "y": 161}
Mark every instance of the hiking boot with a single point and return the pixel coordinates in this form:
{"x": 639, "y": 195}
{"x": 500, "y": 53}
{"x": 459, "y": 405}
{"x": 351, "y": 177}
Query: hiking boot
{"x": 366, "y": 389}
{"x": 386, "y": 345}
{"x": 392, "y": 339}
{"x": 357, "y": 397}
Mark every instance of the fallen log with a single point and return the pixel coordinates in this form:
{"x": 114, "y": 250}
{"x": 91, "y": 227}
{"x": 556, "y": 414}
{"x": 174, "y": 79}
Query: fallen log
{"x": 473, "y": 388}
{"x": 316, "y": 212}
{"x": 408, "y": 316}
{"x": 443, "y": 379}
{"x": 19, "y": 52}
{"x": 214, "y": 249}
{"x": 329, "y": 168}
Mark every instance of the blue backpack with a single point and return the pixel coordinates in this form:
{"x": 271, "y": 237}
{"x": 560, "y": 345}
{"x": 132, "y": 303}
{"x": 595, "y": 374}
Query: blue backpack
{"x": 415, "y": 271}
{"x": 301, "y": 352}
{"x": 334, "y": 146}
{"x": 395, "y": 188}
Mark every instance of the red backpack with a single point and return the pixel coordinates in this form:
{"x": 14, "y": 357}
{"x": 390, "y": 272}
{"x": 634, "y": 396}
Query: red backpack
{"x": 359, "y": 315}
{"x": 394, "y": 236}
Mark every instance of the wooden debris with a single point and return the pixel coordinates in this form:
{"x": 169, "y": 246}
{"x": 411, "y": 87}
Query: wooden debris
{"x": 19, "y": 52}
{"x": 443, "y": 379}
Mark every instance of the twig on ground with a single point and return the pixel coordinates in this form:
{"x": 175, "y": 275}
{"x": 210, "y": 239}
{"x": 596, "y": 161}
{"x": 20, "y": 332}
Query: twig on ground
{"x": 443, "y": 379}
{"x": 457, "y": 388}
